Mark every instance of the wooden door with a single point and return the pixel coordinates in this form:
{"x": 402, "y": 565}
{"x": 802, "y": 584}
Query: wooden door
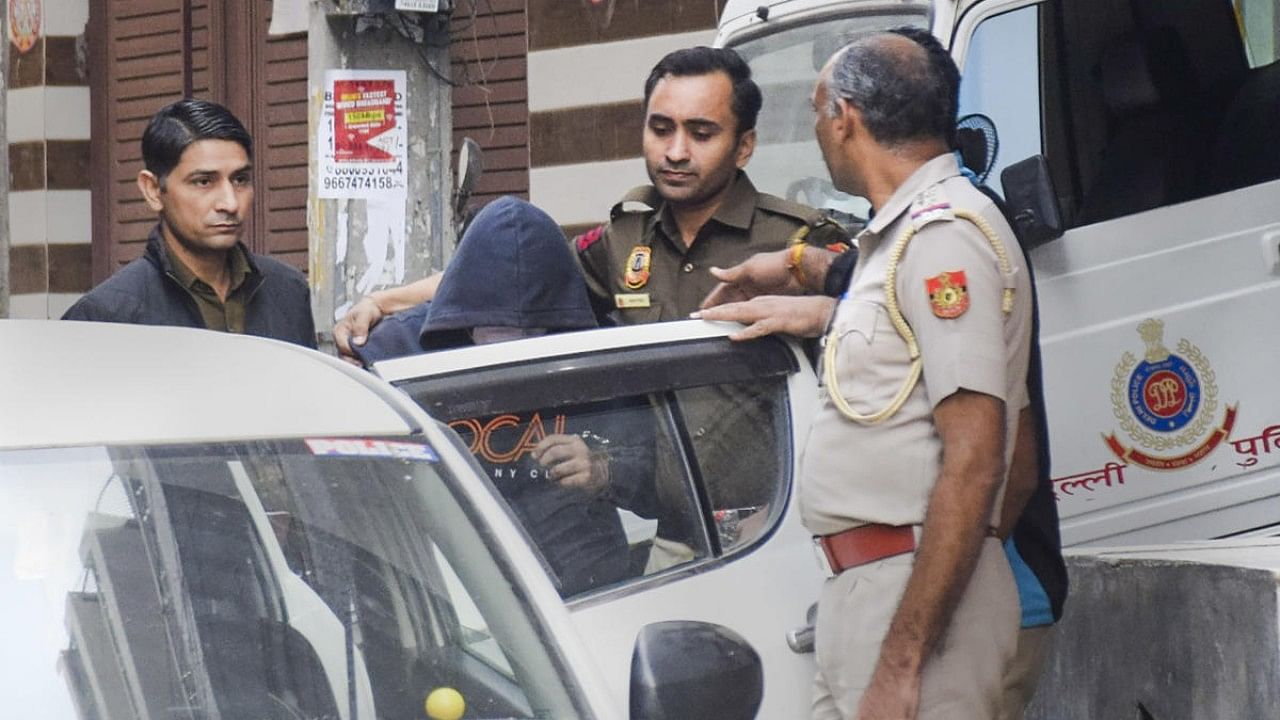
{"x": 147, "y": 53}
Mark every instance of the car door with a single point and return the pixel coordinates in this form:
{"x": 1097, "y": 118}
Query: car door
{"x": 1157, "y": 121}
{"x": 699, "y": 520}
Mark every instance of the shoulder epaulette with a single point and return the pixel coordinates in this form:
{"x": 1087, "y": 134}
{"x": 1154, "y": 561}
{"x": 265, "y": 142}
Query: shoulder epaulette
{"x": 931, "y": 205}
{"x": 588, "y": 238}
{"x": 645, "y": 195}
{"x": 776, "y": 205}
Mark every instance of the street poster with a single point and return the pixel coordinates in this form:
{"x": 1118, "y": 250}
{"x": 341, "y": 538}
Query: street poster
{"x": 363, "y": 136}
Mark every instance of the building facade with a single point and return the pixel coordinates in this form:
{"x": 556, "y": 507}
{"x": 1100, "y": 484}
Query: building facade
{"x": 551, "y": 89}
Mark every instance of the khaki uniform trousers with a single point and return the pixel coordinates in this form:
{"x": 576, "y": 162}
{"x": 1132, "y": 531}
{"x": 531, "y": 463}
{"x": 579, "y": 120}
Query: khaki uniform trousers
{"x": 1025, "y": 671}
{"x": 963, "y": 679}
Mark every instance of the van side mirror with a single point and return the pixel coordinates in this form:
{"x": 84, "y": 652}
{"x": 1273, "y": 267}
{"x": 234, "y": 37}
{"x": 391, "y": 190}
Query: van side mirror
{"x": 683, "y": 669}
{"x": 1032, "y": 202}
{"x": 470, "y": 168}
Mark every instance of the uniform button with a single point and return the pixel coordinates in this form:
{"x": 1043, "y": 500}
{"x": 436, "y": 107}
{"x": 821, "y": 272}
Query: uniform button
{"x": 700, "y": 432}
{"x": 688, "y": 267}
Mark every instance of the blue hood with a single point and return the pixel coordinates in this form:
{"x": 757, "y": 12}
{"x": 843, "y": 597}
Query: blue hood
{"x": 513, "y": 268}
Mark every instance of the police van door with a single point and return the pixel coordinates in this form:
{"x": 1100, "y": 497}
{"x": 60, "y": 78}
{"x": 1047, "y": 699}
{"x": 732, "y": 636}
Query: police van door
{"x": 688, "y": 511}
{"x": 1157, "y": 306}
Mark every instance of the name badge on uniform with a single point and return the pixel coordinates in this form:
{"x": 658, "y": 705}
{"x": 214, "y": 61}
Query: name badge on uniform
{"x": 637, "y": 272}
{"x": 625, "y": 301}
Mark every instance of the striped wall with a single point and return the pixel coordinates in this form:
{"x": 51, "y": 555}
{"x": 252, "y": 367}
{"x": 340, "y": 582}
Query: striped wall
{"x": 488, "y": 47}
{"x": 47, "y": 116}
{"x": 586, "y": 70}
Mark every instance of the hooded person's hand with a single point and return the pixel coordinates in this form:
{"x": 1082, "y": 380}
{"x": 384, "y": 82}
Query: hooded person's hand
{"x": 353, "y": 329}
{"x": 571, "y": 463}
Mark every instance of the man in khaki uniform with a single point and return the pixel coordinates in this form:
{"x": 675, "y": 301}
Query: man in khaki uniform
{"x": 923, "y": 634}
{"x": 907, "y": 459}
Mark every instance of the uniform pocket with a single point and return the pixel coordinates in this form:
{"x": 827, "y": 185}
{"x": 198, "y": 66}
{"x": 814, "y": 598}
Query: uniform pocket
{"x": 870, "y": 358}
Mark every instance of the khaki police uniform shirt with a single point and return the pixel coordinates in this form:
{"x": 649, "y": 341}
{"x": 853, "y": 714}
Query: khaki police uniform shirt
{"x": 853, "y": 474}
{"x": 677, "y": 280}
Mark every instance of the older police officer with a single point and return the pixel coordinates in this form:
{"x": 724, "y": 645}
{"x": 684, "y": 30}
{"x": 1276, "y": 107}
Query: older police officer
{"x": 925, "y": 369}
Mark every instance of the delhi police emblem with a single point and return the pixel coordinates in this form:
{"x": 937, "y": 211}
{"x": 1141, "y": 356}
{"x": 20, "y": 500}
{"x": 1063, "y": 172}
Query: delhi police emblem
{"x": 636, "y": 274}
{"x": 1167, "y": 404}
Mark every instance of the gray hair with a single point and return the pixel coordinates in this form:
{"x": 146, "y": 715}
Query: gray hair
{"x": 902, "y": 96}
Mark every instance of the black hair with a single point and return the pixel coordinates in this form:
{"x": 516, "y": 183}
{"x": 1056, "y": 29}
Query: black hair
{"x": 177, "y": 125}
{"x": 902, "y": 96}
{"x": 704, "y": 60}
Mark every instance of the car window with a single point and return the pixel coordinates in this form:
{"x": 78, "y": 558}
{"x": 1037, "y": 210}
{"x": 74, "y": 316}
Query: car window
{"x": 318, "y": 578}
{"x": 626, "y": 464}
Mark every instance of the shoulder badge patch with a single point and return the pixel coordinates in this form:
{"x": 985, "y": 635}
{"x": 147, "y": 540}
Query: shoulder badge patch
{"x": 588, "y": 238}
{"x": 948, "y": 294}
{"x": 929, "y": 206}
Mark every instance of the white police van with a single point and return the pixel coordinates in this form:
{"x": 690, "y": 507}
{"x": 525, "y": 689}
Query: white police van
{"x": 1158, "y": 127}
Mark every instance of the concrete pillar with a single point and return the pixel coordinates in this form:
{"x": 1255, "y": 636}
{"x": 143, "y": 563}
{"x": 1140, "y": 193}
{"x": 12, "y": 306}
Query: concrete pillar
{"x": 369, "y": 35}
{"x": 1187, "y": 631}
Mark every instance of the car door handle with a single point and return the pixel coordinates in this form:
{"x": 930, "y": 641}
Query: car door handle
{"x": 800, "y": 640}
{"x": 1271, "y": 250}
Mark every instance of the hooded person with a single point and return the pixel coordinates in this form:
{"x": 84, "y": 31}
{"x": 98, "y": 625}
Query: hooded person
{"x": 563, "y": 470}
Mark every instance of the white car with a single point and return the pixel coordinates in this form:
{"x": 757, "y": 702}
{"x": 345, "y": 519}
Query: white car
{"x": 201, "y": 525}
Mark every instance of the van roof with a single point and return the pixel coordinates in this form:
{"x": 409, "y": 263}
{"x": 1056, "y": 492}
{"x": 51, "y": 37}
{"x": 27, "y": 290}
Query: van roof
{"x": 79, "y": 383}
{"x": 743, "y": 14}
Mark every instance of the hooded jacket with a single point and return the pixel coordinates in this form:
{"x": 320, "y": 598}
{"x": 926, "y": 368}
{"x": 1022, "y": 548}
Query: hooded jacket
{"x": 146, "y": 292}
{"x": 513, "y": 268}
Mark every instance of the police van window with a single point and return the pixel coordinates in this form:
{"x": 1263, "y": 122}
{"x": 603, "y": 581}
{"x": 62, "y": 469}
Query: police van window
{"x": 785, "y": 63}
{"x": 1000, "y": 81}
{"x": 1260, "y": 25}
{"x": 1162, "y": 103}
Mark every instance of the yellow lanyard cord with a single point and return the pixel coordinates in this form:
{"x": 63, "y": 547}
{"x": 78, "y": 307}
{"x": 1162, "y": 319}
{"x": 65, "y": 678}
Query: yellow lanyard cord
{"x": 900, "y": 324}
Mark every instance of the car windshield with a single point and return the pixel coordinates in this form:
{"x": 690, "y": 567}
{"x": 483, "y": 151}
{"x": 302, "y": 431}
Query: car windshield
{"x": 787, "y": 161}
{"x": 320, "y": 578}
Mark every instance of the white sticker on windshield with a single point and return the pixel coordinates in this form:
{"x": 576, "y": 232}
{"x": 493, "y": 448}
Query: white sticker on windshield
{"x": 372, "y": 448}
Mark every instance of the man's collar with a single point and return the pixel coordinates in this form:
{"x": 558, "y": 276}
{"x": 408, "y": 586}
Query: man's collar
{"x": 739, "y": 204}
{"x": 736, "y": 210}
{"x": 240, "y": 262}
{"x": 931, "y": 173}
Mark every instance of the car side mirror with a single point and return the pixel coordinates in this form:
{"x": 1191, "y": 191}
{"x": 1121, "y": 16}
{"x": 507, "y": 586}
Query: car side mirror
{"x": 1032, "y": 202}
{"x": 683, "y": 669}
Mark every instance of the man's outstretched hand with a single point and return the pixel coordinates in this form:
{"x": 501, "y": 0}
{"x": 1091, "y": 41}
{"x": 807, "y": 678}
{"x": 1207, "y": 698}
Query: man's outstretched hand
{"x": 760, "y": 274}
{"x": 804, "y": 316}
